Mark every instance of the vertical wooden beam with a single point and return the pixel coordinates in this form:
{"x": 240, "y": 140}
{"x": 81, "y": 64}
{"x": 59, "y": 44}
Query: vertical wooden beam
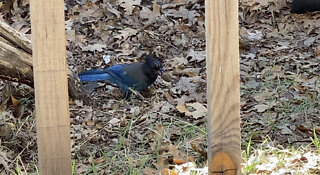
{"x": 51, "y": 88}
{"x": 222, "y": 41}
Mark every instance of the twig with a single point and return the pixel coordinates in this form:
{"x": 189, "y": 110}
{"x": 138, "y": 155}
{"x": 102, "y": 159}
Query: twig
{"x": 136, "y": 93}
{"x": 29, "y": 143}
{"x": 77, "y": 148}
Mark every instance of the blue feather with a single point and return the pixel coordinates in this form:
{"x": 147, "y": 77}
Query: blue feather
{"x": 93, "y": 75}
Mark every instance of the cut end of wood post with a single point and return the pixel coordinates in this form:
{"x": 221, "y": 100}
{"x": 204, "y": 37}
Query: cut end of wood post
{"x": 222, "y": 163}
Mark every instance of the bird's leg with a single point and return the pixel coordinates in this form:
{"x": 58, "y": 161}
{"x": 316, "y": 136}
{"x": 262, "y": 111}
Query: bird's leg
{"x": 126, "y": 94}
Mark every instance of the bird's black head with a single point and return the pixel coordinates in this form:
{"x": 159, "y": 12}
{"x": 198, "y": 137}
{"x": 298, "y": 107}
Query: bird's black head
{"x": 154, "y": 65}
{"x": 152, "y": 68}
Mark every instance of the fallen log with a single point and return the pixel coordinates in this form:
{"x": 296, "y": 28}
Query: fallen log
{"x": 16, "y": 62}
{"x": 15, "y": 37}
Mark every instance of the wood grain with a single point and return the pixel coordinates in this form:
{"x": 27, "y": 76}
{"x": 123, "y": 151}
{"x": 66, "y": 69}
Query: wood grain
{"x": 223, "y": 86}
{"x": 51, "y": 88}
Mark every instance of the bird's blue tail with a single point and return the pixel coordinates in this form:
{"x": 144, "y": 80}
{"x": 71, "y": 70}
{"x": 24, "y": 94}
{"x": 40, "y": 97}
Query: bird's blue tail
{"x": 93, "y": 75}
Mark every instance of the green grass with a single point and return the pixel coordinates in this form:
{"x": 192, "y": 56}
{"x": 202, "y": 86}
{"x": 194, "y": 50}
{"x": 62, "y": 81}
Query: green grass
{"x": 73, "y": 167}
{"x": 307, "y": 104}
{"x": 247, "y": 152}
{"x": 315, "y": 140}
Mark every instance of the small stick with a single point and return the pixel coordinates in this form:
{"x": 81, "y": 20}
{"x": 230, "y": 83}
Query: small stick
{"x": 136, "y": 93}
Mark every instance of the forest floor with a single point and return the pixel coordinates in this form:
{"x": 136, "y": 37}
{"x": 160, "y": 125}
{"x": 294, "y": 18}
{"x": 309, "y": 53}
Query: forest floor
{"x": 280, "y": 101}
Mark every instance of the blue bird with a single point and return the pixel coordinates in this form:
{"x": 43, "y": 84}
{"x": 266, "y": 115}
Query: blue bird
{"x": 138, "y": 76}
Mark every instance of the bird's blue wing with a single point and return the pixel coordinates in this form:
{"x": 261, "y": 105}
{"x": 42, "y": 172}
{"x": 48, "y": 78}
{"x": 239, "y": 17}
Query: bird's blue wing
{"x": 93, "y": 75}
{"x": 119, "y": 77}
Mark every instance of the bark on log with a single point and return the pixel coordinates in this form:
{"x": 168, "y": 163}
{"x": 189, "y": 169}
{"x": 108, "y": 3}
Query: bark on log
{"x": 15, "y": 65}
{"x": 15, "y": 37}
{"x": 16, "y": 62}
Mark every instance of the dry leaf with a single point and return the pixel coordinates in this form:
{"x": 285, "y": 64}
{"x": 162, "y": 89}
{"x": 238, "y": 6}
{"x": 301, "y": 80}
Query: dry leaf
{"x": 94, "y": 47}
{"x": 308, "y": 42}
{"x": 112, "y": 10}
{"x": 169, "y": 172}
{"x": 190, "y": 72}
{"x": 149, "y": 171}
{"x": 197, "y": 56}
{"x": 191, "y": 158}
{"x": 90, "y": 123}
{"x": 285, "y": 130}
{"x": 185, "y": 84}
{"x": 129, "y": 5}
{"x": 200, "y": 110}
{"x": 169, "y": 98}
{"x": 166, "y": 77}
{"x": 15, "y": 102}
{"x": 19, "y": 111}
{"x": 5, "y": 130}
{"x": 184, "y": 14}
{"x": 99, "y": 160}
{"x": 261, "y": 107}
{"x": 199, "y": 150}
{"x": 127, "y": 32}
{"x": 179, "y": 61}
{"x": 178, "y": 161}
{"x": 146, "y": 13}
{"x": 4, "y": 160}
{"x": 114, "y": 121}
{"x": 182, "y": 109}
{"x": 99, "y": 125}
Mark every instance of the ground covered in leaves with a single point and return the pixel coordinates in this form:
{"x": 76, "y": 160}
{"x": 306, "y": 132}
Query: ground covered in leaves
{"x": 279, "y": 57}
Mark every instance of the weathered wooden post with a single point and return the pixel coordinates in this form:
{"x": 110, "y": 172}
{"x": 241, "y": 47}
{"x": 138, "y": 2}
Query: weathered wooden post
{"x": 223, "y": 86}
{"x": 51, "y": 88}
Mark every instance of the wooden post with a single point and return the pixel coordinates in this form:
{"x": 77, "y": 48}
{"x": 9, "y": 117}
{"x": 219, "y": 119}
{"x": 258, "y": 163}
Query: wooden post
{"x": 223, "y": 86}
{"x": 51, "y": 88}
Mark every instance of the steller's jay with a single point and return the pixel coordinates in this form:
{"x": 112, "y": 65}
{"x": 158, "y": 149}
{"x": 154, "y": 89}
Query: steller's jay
{"x": 138, "y": 76}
